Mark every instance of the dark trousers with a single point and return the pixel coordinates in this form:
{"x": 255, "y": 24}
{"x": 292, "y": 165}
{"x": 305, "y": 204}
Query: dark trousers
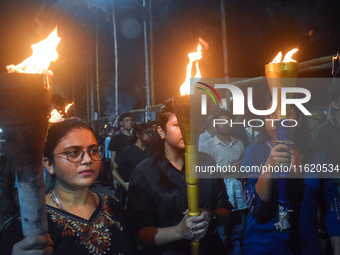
{"x": 235, "y": 230}
{"x": 121, "y": 195}
{"x": 106, "y": 176}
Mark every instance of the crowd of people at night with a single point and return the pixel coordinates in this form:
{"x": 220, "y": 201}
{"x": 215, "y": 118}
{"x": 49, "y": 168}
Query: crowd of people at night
{"x": 144, "y": 163}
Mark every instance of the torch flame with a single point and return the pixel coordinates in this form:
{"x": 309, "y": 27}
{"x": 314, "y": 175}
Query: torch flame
{"x": 278, "y": 58}
{"x": 55, "y": 116}
{"x": 287, "y": 58}
{"x": 44, "y": 52}
{"x": 68, "y": 106}
{"x": 198, "y": 72}
{"x": 193, "y": 56}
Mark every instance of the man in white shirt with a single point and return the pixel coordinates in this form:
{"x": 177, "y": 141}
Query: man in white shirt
{"x": 209, "y": 132}
{"x": 227, "y": 150}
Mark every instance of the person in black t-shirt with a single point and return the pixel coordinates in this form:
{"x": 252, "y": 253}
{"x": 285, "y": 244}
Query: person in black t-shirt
{"x": 117, "y": 144}
{"x": 157, "y": 197}
{"x": 132, "y": 155}
{"x": 101, "y": 135}
{"x": 122, "y": 138}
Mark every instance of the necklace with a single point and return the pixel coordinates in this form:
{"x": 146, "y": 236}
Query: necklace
{"x": 56, "y": 201}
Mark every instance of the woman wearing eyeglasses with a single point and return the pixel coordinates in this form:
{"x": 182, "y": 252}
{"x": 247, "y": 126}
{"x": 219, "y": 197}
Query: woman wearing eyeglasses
{"x": 79, "y": 220}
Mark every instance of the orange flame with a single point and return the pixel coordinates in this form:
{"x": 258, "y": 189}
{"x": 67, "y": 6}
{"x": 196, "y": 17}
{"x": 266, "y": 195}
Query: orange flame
{"x": 44, "y": 52}
{"x": 287, "y": 58}
{"x": 278, "y": 58}
{"x": 193, "y": 56}
{"x": 55, "y": 116}
{"x": 68, "y": 106}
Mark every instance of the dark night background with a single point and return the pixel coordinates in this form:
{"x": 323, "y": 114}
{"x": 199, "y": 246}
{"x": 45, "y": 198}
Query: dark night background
{"x": 256, "y": 32}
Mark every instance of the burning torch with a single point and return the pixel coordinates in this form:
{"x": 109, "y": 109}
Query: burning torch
{"x": 25, "y": 99}
{"x": 282, "y": 74}
{"x": 185, "y": 107}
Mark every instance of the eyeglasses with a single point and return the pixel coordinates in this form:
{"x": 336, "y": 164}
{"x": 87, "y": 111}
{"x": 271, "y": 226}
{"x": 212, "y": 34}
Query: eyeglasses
{"x": 76, "y": 154}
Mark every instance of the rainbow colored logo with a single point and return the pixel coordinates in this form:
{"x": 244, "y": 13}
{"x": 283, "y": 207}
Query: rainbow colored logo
{"x": 208, "y": 92}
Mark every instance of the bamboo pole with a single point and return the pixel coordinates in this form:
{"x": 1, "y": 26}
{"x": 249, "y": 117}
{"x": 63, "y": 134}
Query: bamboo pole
{"x": 24, "y": 122}
{"x": 116, "y": 56}
{"x": 190, "y": 121}
{"x": 146, "y": 57}
{"x": 282, "y": 75}
{"x": 224, "y": 40}
{"x": 97, "y": 68}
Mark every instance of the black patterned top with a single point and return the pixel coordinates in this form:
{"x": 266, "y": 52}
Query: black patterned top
{"x": 106, "y": 232}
